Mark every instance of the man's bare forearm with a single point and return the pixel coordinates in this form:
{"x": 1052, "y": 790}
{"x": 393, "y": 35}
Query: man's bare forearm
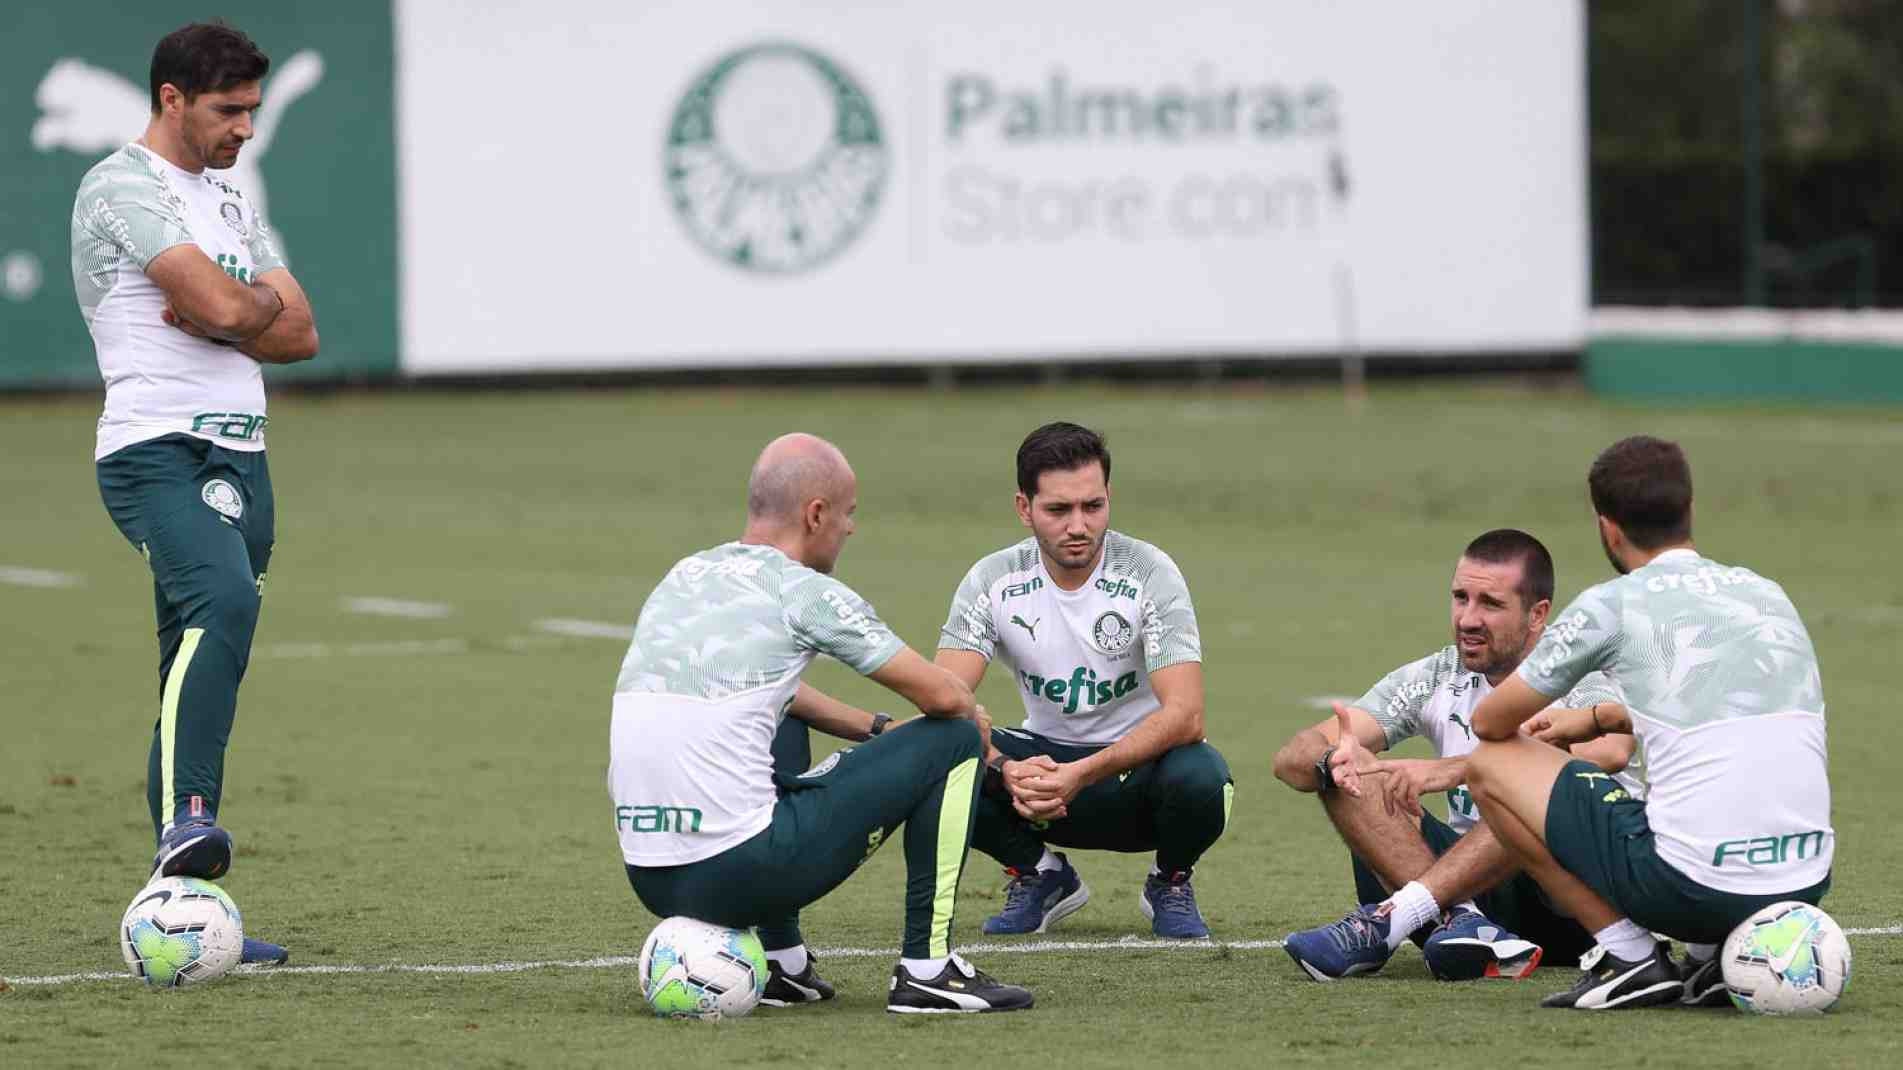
{"x": 1155, "y": 736}
{"x": 829, "y": 715}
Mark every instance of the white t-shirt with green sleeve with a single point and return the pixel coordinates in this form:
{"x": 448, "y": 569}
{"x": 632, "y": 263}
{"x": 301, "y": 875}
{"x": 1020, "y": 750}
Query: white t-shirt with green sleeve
{"x": 1723, "y": 687}
{"x": 132, "y": 206}
{"x": 1083, "y": 658}
{"x": 716, "y": 658}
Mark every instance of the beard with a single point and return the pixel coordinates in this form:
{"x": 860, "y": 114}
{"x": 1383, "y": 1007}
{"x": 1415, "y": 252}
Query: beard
{"x": 1074, "y": 558}
{"x": 1617, "y": 565}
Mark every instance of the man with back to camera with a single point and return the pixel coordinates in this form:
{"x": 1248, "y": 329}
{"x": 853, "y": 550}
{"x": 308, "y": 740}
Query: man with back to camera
{"x": 708, "y": 829}
{"x": 1409, "y": 866}
{"x": 186, "y": 295}
{"x": 1722, "y": 687}
{"x": 1101, "y": 635}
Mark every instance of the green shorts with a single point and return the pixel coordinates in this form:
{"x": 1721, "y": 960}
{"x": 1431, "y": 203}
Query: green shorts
{"x": 1516, "y": 904}
{"x": 1601, "y": 835}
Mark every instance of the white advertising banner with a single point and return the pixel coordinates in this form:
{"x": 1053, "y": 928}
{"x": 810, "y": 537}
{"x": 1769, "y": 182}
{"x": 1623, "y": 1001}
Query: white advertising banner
{"x": 591, "y": 185}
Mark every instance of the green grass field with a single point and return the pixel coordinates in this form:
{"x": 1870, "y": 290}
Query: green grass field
{"x": 430, "y": 791}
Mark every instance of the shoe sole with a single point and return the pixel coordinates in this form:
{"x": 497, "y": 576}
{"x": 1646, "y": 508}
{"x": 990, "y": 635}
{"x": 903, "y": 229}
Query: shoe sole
{"x": 1149, "y": 915}
{"x": 1715, "y": 996}
{"x": 1653, "y": 995}
{"x": 953, "y": 1010}
{"x": 1065, "y": 907}
{"x": 202, "y": 872}
{"x": 1315, "y": 974}
{"x": 1058, "y": 911}
{"x": 1473, "y": 959}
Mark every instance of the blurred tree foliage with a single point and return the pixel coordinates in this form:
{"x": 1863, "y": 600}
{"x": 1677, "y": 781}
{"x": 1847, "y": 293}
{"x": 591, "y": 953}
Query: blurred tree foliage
{"x": 1668, "y": 110}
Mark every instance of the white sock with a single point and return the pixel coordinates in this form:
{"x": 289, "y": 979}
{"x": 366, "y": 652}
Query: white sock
{"x": 1050, "y": 863}
{"x": 1701, "y": 952}
{"x": 925, "y": 969}
{"x": 1409, "y": 909}
{"x": 1626, "y": 940}
{"x": 1155, "y": 870}
{"x": 791, "y": 959}
{"x": 1468, "y": 904}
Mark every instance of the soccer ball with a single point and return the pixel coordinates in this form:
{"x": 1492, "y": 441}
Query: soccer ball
{"x": 690, "y": 969}
{"x": 181, "y": 931}
{"x": 1789, "y": 958}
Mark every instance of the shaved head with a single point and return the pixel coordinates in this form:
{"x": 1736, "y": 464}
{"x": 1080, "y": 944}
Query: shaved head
{"x": 792, "y": 471}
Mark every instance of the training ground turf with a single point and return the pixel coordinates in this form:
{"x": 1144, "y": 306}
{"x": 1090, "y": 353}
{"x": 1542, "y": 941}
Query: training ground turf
{"x": 427, "y": 789}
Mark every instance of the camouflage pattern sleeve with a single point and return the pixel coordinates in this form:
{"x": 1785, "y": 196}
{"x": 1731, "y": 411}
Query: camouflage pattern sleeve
{"x": 1597, "y": 687}
{"x": 263, "y": 246}
{"x": 1398, "y": 699}
{"x": 969, "y": 625}
{"x": 1170, "y": 634}
{"x": 133, "y": 210}
{"x": 828, "y": 617}
{"x": 1583, "y": 637}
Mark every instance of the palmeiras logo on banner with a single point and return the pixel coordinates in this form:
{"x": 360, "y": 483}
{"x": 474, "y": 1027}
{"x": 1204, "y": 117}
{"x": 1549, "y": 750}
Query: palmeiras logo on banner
{"x": 775, "y": 161}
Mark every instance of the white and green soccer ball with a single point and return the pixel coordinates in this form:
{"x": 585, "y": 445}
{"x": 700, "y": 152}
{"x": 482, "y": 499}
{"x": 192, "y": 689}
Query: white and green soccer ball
{"x": 1789, "y": 958}
{"x": 690, "y": 969}
{"x": 181, "y": 931}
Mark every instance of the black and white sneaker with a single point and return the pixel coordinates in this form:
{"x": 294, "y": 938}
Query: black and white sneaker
{"x": 960, "y": 988}
{"x": 1704, "y": 984}
{"x": 791, "y": 989}
{"x": 1608, "y": 982}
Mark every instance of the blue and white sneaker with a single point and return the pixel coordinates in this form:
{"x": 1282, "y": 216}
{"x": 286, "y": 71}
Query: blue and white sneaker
{"x": 264, "y": 953}
{"x": 1169, "y": 902}
{"x": 1356, "y": 944}
{"x": 1469, "y": 946}
{"x": 196, "y": 848}
{"x": 1035, "y": 899}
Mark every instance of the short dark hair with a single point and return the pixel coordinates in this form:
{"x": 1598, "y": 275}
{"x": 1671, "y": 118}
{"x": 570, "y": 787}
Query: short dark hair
{"x": 1059, "y": 447}
{"x": 1644, "y": 485}
{"x": 1504, "y": 546}
{"x": 206, "y": 57}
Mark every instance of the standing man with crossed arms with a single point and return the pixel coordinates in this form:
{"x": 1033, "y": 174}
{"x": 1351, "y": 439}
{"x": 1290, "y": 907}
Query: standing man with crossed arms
{"x": 186, "y": 295}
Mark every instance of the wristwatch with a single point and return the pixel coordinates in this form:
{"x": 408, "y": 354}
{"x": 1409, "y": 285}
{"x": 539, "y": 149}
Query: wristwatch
{"x": 879, "y": 721}
{"x": 1324, "y": 776}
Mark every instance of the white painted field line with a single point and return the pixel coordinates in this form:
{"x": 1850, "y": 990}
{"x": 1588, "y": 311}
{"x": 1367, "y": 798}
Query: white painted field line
{"x": 1325, "y": 702}
{"x": 585, "y": 629}
{"x": 21, "y": 576}
{"x": 612, "y": 962}
{"x": 395, "y": 607}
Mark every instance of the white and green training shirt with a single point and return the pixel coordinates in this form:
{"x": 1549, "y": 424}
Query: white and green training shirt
{"x": 717, "y": 656}
{"x": 1435, "y": 698}
{"x": 1083, "y": 658}
{"x": 132, "y": 206}
{"x": 1723, "y": 687}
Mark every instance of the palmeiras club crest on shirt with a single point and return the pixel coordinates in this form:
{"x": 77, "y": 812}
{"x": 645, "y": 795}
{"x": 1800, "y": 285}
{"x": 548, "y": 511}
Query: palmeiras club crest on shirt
{"x": 1112, "y": 633}
{"x": 234, "y": 218}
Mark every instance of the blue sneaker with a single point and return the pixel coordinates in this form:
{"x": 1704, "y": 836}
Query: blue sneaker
{"x": 1469, "y": 946}
{"x": 1035, "y": 900}
{"x": 1356, "y": 944}
{"x": 263, "y": 952}
{"x": 1170, "y": 903}
{"x": 196, "y": 848}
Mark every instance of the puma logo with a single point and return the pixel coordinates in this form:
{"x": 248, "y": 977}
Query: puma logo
{"x": 1031, "y": 627}
{"x": 1464, "y": 726}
